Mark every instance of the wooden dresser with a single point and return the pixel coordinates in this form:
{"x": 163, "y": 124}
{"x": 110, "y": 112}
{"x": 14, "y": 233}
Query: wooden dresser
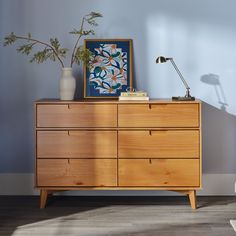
{"x": 112, "y": 145}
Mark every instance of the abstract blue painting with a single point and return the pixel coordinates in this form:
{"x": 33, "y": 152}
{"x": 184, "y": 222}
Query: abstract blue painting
{"x": 110, "y": 69}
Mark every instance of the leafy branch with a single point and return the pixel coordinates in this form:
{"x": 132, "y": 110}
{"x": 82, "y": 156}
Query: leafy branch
{"x": 53, "y": 49}
{"x": 78, "y": 51}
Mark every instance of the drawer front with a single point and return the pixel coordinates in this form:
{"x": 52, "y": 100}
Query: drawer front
{"x": 158, "y": 144}
{"x": 158, "y": 115}
{"x": 159, "y": 172}
{"x": 76, "y": 172}
{"x": 77, "y": 115}
{"x": 77, "y": 144}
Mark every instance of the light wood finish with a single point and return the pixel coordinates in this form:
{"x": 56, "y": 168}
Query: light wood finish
{"x": 77, "y": 172}
{"x": 77, "y": 115}
{"x": 43, "y": 198}
{"x": 77, "y": 144}
{"x": 112, "y": 188}
{"x": 158, "y": 172}
{"x": 159, "y": 144}
{"x": 192, "y": 199}
{"x": 158, "y": 115}
{"x": 87, "y": 101}
{"x": 200, "y": 142}
{"x": 112, "y": 145}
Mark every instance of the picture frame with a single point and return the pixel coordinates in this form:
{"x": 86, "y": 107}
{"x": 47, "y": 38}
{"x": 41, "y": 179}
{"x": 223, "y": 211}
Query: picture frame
{"x": 110, "y": 71}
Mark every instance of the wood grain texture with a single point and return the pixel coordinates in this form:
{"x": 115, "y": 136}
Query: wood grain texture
{"x": 158, "y": 115}
{"x": 77, "y": 144}
{"x": 77, "y": 172}
{"x": 77, "y": 115}
{"x": 54, "y": 101}
{"x": 159, "y": 172}
{"x": 158, "y": 144}
{"x": 43, "y": 198}
{"x": 178, "y": 189}
{"x": 192, "y": 199}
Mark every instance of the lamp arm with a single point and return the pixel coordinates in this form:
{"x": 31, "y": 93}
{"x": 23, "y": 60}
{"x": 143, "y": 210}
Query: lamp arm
{"x": 179, "y": 73}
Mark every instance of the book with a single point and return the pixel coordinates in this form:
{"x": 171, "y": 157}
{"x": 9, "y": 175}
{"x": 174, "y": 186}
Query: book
{"x": 133, "y": 98}
{"x": 135, "y": 94}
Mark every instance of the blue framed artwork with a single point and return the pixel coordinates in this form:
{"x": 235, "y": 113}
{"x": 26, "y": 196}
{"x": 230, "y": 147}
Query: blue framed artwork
{"x": 110, "y": 69}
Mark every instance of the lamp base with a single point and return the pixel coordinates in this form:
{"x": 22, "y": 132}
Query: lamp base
{"x": 183, "y": 98}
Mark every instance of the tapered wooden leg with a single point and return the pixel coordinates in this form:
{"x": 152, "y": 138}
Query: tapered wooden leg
{"x": 192, "y": 199}
{"x": 43, "y": 198}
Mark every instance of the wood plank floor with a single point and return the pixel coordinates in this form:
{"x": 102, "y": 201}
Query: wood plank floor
{"x": 117, "y": 216}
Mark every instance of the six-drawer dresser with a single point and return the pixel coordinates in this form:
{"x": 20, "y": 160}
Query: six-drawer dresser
{"x": 112, "y": 145}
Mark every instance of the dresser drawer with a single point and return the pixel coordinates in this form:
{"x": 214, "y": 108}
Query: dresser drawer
{"x": 158, "y": 144}
{"x": 77, "y": 144}
{"x": 77, "y": 115}
{"x": 158, "y": 115}
{"x": 76, "y": 172}
{"x": 159, "y": 172}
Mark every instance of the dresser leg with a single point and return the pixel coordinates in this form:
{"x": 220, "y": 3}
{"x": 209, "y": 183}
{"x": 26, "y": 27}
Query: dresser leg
{"x": 192, "y": 199}
{"x": 43, "y": 198}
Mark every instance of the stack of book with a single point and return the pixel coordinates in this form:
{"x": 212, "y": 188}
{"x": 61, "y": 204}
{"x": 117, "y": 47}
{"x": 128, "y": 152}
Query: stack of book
{"x": 137, "y": 95}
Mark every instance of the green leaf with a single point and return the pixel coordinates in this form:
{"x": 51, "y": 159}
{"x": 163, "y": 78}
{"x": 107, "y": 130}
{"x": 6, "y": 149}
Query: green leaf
{"x": 75, "y": 31}
{"x": 55, "y": 43}
{"x": 43, "y": 55}
{"x": 10, "y": 39}
{"x": 88, "y": 32}
{"x": 90, "y": 18}
{"x": 26, "y": 48}
{"x": 83, "y": 55}
{"x": 95, "y": 14}
{"x": 62, "y": 52}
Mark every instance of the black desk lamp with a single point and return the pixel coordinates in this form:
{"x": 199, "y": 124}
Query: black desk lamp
{"x": 187, "y": 97}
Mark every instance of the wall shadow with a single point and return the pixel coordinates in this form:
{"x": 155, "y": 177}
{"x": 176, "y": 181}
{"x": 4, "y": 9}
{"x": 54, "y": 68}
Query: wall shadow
{"x": 214, "y": 81}
{"x": 79, "y": 92}
{"x": 218, "y": 140}
{"x": 218, "y": 132}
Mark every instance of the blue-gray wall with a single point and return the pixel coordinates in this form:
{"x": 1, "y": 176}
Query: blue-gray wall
{"x": 200, "y": 35}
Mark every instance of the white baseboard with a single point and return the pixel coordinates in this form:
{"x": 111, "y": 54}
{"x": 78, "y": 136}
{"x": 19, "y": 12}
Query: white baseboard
{"x": 23, "y": 184}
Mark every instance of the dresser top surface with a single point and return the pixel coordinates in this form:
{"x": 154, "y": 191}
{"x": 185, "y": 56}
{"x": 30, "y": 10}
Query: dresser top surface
{"x": 110, "y": 101}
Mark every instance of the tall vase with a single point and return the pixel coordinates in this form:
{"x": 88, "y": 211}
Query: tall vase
{"x": 67, "y": 84}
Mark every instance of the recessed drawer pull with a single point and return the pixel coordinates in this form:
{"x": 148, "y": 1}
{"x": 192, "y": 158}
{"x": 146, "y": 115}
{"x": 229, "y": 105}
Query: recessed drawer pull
{"x": 150, "y": 161}
{"x": 150, "y": 106}
{"x": 156, "y": 132}
{"x": 68, "y": 105}
{"x": 68, "y": 132}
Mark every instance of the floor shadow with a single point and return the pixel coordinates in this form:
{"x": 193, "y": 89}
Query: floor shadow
{"x": 24, "y": 210}
{"x": 216, "y": 201}
{"x": 21, "y": 214}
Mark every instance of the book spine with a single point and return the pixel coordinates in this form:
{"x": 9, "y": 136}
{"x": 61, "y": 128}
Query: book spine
{"x": 133, "y": 94}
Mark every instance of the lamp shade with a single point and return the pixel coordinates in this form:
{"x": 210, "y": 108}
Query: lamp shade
{"x": 161, "y": 59}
